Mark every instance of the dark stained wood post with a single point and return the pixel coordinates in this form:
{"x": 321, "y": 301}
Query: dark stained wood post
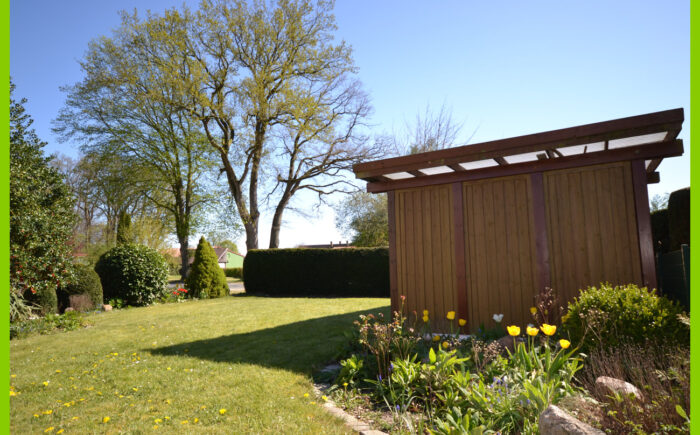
{"x": 641, "y": 205}
{"x": 393, "y": 278}
{"x": 540, "y": 220}
{"x": 460, "y": 264}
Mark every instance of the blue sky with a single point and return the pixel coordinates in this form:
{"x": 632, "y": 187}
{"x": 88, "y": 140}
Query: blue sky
{"x": 506, "y": 68}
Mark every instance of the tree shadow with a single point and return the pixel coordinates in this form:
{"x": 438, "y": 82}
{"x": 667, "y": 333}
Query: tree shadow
{"x": 300, "y": 346}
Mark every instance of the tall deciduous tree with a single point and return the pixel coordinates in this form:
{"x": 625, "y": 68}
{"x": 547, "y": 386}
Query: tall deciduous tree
{"x": 41, "y": 215}
{"x": 364, "y": 216}
{"x": 126, "y": 111}
{"x": 275, "y": 95}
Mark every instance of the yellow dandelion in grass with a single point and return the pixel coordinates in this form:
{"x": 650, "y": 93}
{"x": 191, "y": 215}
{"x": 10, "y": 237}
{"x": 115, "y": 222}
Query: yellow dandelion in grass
{"x": 75, "y": 418}
{"x": 48, "y": 412}
{"x": 548, "y": 329}
{"x": 450, "y": 315}
{"x": 48, "y": 429}
{"x": 203, "y": 407}
{"x": 532, "y": 331}
{"x": 106, "y": 419}
{"x": 45, "y": 383}
{"x": 462, "y": 322}
{"x": 13, "y": 376}
{"x": 345, "y": 384}
{"x": 513, "y": 330}
{"x": 324, "y": 398}
{"x": 58, "y": 371}
{"x": 445, "y": 345}
{"x": 169, "y": 368}
{"x": 564, "y": 343}
{"x": 313, "y": 403}
{"x": 306, "y": 394}
{"x": 61, "y": 431}
{"x": 166, "y": 417}
{"x": 436, "y": 338}
{"x": 184, "y": 422}
{"x": 168, "y": 401}
{"x": 196, "y": 420}
{"x": 135, "y": 389}
{"x": 222, "y": 411}
{"x": 12, "y": 393}
{"x": 157, "y": 420}
{"x": 36, "y": 415}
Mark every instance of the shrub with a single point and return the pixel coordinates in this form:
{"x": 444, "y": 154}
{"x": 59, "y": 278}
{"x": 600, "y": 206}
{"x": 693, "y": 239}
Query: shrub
{"x": 352, "y": 272}
{"x": 234, "y": 272}
{"x": 43, "y": 325}
{"x": 206, "y": 278}
{"x": 604, "y": 317}
{"x": 135, "y": 273}
{"x": 679, "y": 219}
{"x": 659, "y": 230}
{"x": 85, "y": 281}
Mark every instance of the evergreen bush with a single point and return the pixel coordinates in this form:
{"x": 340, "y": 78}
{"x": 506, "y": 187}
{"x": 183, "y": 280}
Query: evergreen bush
{"x": 136, "y": 274}
{"x": 85, "y": 281}
{"x": 206, "y": 278}
{"x": 604, "y": 317}
{"x": 234, "y": 272}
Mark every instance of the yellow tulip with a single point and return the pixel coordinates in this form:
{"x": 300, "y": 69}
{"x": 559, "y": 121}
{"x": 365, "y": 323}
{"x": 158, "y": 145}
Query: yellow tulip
{"x": 450, "y": 315}
{"x": 532, "y": 331}
{"x": 564, "y": 343}
{"x": 462, "y": 322}
{"x": 513, "y": 330}
{"x": 436, "y": 337}
{"x": 425, "y": 312}
{"x": 533, "y": 310}
{"x": 425, "y": 319}
{"x": 548, "y": 329}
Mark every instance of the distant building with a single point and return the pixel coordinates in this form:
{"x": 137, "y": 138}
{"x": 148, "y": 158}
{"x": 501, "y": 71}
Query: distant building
{"x": 331, "y": 245}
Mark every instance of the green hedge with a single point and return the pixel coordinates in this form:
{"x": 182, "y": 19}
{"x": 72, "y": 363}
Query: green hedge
{"x": 352, "y": 272}
{"x": 85, "y": 281}
{"x": 234, "y": 272}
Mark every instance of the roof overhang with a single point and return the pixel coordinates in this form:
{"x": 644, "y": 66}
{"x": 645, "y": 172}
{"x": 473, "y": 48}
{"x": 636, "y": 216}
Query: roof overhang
{"x": 651, "y": 137}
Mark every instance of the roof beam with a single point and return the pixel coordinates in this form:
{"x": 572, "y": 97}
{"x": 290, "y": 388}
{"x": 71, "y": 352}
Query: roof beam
{"x": 500, "y": 160}
{"x": 669, "y": 120}
{"x": 646, "y": 152}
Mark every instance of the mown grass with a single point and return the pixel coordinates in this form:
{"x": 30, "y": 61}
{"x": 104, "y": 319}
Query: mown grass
{"x": 159, "y": 368}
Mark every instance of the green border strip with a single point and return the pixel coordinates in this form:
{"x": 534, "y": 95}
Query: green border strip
{"x": 694, "y": 213}
{"x": 5, "y": 208}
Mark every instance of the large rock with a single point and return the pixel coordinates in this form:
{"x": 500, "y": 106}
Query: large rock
{"x": 618, "y": 386}
{"x": 554, "y": 421}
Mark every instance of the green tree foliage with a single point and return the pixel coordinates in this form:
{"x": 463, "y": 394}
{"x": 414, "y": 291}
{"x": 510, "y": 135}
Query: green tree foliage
{"x": 41, "y": 216}
{"x": 231, "y": 246}
{"x": 206, "y": 278}
{"x": 135, "y": 273}
{"x": 124, "y": 231}
{"x": 274, "y": 95}
{"x": 364, "y": 216}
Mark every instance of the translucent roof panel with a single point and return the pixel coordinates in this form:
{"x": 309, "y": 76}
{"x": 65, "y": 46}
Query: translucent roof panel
{"x": 636, "y": 140}
{"x": 398, "y": 175}
{"x": 579, "y": 149}
{"x": 436, "y": 170}
{"x": 525, "y": 157}
{"x": 479, "y": 164}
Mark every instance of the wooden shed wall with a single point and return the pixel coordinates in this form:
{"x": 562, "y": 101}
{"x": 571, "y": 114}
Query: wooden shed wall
{"x": 592, "y": 228}
{"x": 425, "y": 261}
{"x": 565, "y": 229}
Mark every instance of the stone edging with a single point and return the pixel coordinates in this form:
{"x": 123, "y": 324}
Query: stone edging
{"x": 350, "y": 421}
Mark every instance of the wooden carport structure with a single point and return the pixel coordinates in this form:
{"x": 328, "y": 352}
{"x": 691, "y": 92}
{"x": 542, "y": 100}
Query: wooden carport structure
{"x": 481, "y": 228}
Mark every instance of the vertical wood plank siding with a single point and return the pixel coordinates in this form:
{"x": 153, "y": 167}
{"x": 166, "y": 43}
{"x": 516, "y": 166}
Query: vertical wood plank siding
{"x": 425, "y": 250}
{"x": 567, "y": 229}
{"x": 592, "y": 227}
{"x": 500, "y": 250}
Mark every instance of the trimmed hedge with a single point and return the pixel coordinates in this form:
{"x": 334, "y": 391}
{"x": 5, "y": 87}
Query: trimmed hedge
{"x": 351, "y": 272}
{"x": 679, "y": 219}
{"x": 234, "y": 272}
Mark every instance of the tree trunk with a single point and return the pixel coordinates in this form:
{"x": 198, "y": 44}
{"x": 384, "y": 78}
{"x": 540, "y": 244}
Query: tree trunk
{"x": 277, "y": 219}
{"x": 184, "y": 256}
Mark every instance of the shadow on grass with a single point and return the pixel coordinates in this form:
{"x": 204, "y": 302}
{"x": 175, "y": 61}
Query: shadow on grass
{"x": 300, "y": 346}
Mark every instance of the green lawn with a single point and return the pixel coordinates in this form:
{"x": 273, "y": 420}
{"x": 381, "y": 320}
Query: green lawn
{"x": 167, "y": 365}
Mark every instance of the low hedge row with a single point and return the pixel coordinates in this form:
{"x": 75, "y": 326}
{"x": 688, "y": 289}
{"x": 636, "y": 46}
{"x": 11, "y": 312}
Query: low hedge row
{"x": 352, "y": 272}
{"x": 234, "y": 272}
